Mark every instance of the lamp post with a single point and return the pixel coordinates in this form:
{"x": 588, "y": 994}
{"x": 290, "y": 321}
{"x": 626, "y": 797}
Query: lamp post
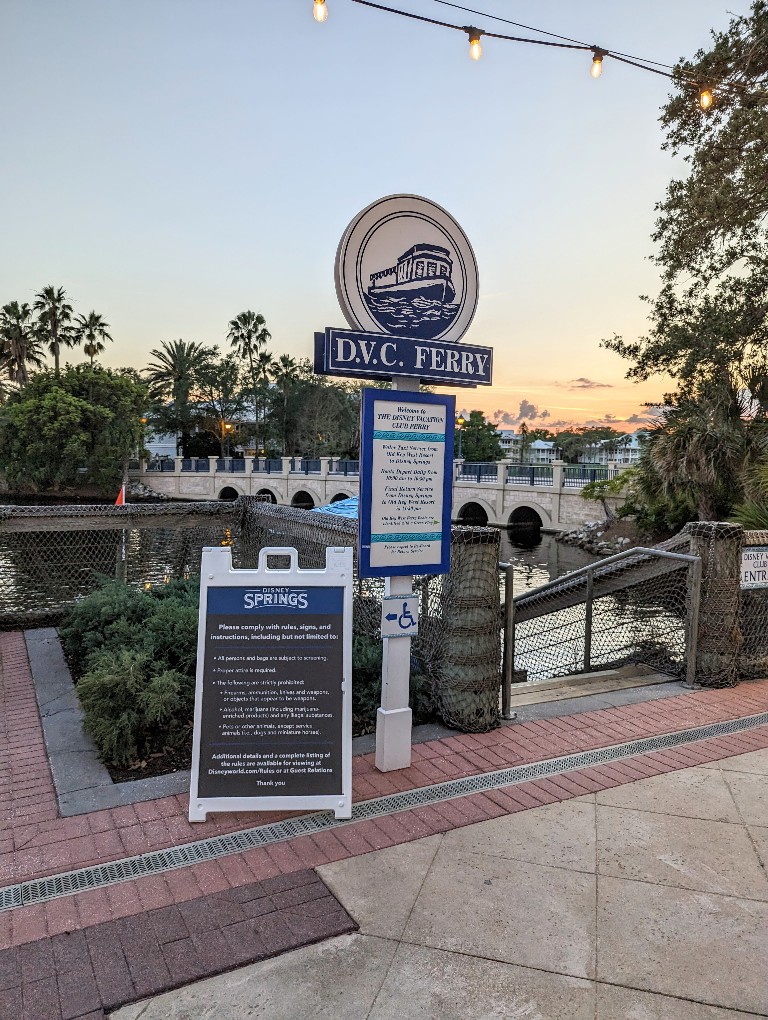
{"x": 226, "y": 432}
{"x": 460, "y": 423}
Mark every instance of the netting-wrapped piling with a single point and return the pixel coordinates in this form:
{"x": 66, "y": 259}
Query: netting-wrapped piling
{"x": 719, "y": 636}
{"x": 467, "y": 692}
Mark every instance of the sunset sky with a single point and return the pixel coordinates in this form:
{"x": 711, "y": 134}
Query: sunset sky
{"x": 174, "y": 162}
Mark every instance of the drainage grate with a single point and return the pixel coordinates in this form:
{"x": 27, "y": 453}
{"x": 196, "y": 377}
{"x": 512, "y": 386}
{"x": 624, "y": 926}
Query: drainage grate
{"x": 11, "y": 897}
{"x": 158, "y": 861}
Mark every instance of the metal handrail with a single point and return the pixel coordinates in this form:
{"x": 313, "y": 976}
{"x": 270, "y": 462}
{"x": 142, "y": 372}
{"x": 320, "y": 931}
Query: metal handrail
{"x": 512, "y": 604}
{"x": 591, "y": 567}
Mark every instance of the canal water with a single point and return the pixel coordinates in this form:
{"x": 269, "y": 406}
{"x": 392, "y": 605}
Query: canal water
{"x": 537, "y": 558}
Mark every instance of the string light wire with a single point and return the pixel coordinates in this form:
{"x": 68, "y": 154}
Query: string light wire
{"x": 566, "y": 42}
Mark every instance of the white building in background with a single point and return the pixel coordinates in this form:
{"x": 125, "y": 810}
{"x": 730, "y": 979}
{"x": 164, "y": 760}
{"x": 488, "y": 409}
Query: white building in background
{"x": 542, "y": 451}
{"x": 161, "y": 446}
{"x": 623, "y": 452}
{"x": 509, "y": 441}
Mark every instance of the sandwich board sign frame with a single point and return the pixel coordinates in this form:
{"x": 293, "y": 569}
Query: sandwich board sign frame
{"x": 406, "y": 483}
{"x": 273, "y": 694}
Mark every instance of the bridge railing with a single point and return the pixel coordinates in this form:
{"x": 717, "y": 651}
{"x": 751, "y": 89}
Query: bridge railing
{"x": 529, "y": 474}
{"x": 196, "y": 464}
{"x": 343, "y": 467}
{"x": 481, "y": 472}
{"x": 305, "y": 466}
{"x": 268, "y": 465}
{"x": 576, "y": 476}
{"x": 162, "y": 464}
{"x": 230, "y": 465}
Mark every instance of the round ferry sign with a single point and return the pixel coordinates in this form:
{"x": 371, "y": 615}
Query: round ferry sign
{"x": 406, "y": 268}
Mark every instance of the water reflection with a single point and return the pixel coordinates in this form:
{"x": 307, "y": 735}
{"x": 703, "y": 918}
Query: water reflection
{"x": 641, "y": 623}
{"x": 537, "y": 557}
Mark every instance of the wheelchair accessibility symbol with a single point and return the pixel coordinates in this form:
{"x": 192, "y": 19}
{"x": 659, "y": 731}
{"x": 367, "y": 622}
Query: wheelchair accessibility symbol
{"x": 400, "y": 616}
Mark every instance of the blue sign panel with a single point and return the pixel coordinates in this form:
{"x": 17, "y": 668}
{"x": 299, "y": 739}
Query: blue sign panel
{"x": 406, "y": 467}
{"x": 346, "y": 352}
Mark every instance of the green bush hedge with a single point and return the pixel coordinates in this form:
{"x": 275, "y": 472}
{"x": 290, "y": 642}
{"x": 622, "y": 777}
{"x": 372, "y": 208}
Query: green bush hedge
{"x": 132, "y": 653}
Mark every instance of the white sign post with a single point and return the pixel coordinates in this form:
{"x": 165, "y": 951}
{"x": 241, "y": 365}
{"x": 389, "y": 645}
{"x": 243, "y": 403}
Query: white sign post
{"x": 406, "y": 278}
{"x": 394, "y": 718}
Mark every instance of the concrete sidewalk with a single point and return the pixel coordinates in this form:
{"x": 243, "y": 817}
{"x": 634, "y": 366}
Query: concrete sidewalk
{"x": 648, "y": 901}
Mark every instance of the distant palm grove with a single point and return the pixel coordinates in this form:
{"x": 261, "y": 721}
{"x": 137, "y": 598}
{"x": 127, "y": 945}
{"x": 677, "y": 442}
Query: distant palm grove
{"x": 76, "y": 425}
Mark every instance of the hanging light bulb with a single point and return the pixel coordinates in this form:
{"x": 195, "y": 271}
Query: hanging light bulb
{"x": 475, "y": 49}
{"x": 705, "y": 98}
{"x": 597, "y": 63}
{"x": 320, "y": 11}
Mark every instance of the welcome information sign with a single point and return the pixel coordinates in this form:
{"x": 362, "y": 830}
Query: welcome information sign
{"x": 406, "y": 460}
{"x": 273, "y": 718}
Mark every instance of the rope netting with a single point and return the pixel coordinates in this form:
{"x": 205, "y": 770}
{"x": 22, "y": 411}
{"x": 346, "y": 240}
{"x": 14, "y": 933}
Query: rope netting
{"x": 458, "y": 647}
{"x": 634, "y": 610}
{"x": 52, "y": 556}
{"x": 753, "y": 618}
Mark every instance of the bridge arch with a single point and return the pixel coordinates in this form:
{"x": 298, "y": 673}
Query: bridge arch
{"x": 338, "y": 496}
{"x": 475, "y": 511}
{"x": 229, "y": 492}
{"x": 529, "y": 515}
{"x": 267, "y": 495}
{"x": 304, "y": 500}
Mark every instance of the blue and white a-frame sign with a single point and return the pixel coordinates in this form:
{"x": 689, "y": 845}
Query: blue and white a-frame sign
{"x": 273, "y": 697}
{"x": 406, "y": 462}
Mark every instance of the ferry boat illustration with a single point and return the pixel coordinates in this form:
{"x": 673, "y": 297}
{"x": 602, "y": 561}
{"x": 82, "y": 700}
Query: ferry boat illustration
{"x": 424, "y": 270}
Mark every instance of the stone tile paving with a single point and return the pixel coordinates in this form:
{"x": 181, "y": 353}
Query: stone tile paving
{"x": 82, "y": 973}
{"x": 577, "y": 910}
{"x": 35, "y": 842}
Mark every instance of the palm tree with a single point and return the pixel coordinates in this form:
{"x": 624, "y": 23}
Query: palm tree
{"x": 91, "y": 330}
{"x": 701, "y": 447}
{"x": 284, "y": 372}
{"x": 248, "y": 333}
{"x": 174, "y": 376}
{"x": 19, "y": 343}
{"x": 262, "y": 369}
{"x": 54, "y": 317}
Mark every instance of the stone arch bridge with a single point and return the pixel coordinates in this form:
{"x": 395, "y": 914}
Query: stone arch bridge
{"x": 502, "y": 494}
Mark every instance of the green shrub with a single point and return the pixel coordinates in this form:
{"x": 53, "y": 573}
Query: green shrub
{"x": 111, "y": 617}
{"x": 133, "y": 653}
{"x": 160, "y": 620}
{"x": 133, "y": 707}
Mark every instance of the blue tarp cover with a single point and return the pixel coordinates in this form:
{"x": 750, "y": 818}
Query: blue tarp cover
{"x": 341, "y": 508}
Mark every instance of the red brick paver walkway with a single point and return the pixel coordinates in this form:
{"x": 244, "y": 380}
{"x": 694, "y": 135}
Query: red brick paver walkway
{"x": 35, "y": 841}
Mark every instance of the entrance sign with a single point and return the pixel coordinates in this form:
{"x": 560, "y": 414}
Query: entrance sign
{"x": 400, "y": 616}
{"x": 405, "y": 267}
{"x": 406, "y": 462}
{"x": 273, "y": 699}
{"x": 346, "y": 352}
{"x": 754, "y": 566}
